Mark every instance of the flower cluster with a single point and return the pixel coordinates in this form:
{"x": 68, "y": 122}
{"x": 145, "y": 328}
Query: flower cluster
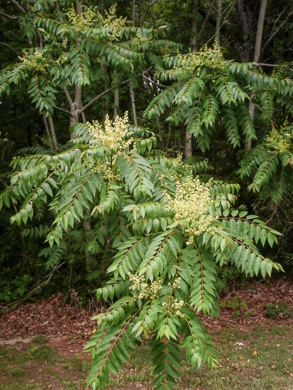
{"x": 35, "y": 60}
{"x": 176, "y": 283}
{"x": 83, "y": 22}
{"x": 111, "y": 22}
{"x": 280, "y": 141}
{"x": 190, "y": 206}
{"x": 144, "y": 289}
{"x": 177, "y": 305}
{"x": 210, "y": 57}
{"x": 113, "y": 135}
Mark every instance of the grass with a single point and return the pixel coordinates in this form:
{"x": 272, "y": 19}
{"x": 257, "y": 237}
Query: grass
{"x": 259, "y": 360}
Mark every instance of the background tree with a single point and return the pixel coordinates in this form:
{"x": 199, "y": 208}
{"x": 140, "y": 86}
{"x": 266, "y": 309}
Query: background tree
{"x": 132, "y": 65}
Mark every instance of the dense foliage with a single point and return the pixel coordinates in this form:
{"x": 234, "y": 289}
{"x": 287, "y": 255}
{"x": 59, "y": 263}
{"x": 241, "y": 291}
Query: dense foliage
{"x": 147, "y": 208}
{"x": 166, "y": 230}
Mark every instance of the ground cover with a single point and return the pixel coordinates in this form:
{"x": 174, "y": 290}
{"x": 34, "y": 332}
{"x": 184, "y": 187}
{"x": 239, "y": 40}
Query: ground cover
{"x": 41, "y": 345}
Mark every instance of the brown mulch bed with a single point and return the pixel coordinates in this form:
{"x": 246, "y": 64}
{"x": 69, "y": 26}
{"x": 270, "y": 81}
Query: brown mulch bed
{"x": 52, "y": 317}
{"x": 254, "y": 298}
{"x": 48, "y": 317}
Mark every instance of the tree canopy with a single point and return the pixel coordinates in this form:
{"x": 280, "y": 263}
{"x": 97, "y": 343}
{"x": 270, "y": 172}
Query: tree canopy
{"x": 151, "y": 146}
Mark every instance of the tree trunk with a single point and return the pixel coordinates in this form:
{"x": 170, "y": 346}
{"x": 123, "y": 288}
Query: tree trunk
{"x": 257, "y": 49}
{"x": 193, "y": 46}
{"x": 48, "y": 131}
{"x": 188, "y": 144}
{"x": 79, "y": 7}
{"x": 116, "y": 102}
{"x": 132, "y": 97}
{"x": 87, "y": 227}
{"x": 245, "y": 19}
{"x": 53, "y": 133}
{"x": 133, "y": 12}
{"x": 102, "y": 6}
{"x": 154, "y": 17}
{"x": 218, "y": 21}
{"x": 193, "y": 40}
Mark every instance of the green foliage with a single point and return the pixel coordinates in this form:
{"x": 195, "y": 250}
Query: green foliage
{"x": 167, "y": 231}
{"x": 208, "y": 91}
{"x": 272, "y": 310}
{"x": 270, "y": 165}
{"x": 77, "y": 48}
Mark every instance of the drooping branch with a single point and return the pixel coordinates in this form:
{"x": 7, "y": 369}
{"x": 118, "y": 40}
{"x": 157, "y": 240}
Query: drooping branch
{"x": 102, "y": 94}
{"x": 62, "y": 109}
{"x": 147, "y": 10}
{"x": 12, "y": 17}
{"x": 18, "y": 6}
{"x": 110, "y": 90}
{"x": 207, "y": 17}
{"x": 5, "y": 44}
{"x": 277, "y": 30}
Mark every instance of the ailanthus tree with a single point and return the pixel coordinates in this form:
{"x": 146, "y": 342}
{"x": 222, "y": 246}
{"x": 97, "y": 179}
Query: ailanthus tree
{"x": 77, "y": 47}
{"x": 208, "y": 93}
{"x": 167, "y": 231}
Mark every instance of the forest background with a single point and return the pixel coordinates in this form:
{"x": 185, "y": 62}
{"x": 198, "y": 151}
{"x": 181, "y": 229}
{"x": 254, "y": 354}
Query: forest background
{"x": 243, "y": 135}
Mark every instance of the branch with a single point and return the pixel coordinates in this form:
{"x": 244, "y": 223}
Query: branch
{"x": 37, "y": 287}
{"x": 62, "y": 109}
{"x": 102, "y": 94}
{"x": 18, "y": 6}
{"x": 271, "y": 65}
{"x": 8, "y": 16}
{"x": 157, "y": 83}
{"x": 207, "y": 17}
{"x": 68, "y": 96}
{"x": 148, "y": 8}
{"x": 5, "y": 44}
{"x": 278, "y": 29}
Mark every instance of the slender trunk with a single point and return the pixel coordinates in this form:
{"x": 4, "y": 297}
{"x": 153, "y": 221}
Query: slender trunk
{"x": 193, "y": 40}
{"x": 87, "y": 228}
{"x": 133, "y": 12}
{"x": 218, "y": 21}
{"x": 257, "y": 50}
{"x": 48, "y": 131}
{"x": 193, "y": 46}
{"x": 169, "y": 135}
{"x": 188, "y": 144}
{"x": 102, "y": 6}
{"x": 53, "y": 133}
{"x": 79, "y": 7}
{"x": 75, "y": 115}
{"x": 259, "y": 33}
{"x": 132, "y": 97}
{"x": 153, "y": 17}
{"x": 116, "y": 102}
{"x": 244, "y": 19}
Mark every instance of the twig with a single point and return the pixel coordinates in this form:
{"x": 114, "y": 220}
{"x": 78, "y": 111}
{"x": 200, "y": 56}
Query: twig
{"x": 68, "y": 96}
{"x": 102, "y": 94}
{"x": 18, "y": 6}
{"x": 8, "y": 16}
{"x": 277, "y": 30}
{"x": 147, "y": 10}
{"x": 5, "y": 44}
{"x": 41, "y": 285}
{"x": 62, "y": 109}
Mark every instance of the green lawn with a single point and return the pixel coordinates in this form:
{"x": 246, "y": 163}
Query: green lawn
{"x": 260, "y": 359}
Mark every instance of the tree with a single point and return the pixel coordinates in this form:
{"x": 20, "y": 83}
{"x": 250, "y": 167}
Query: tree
{"x": 167, "y": 232}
